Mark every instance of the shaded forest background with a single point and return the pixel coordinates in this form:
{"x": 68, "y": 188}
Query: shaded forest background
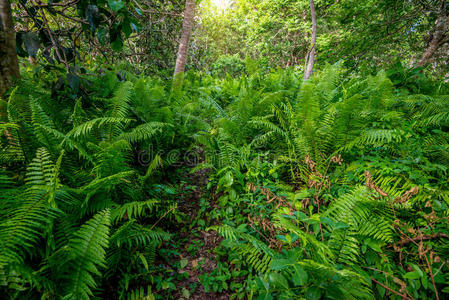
{"x": 365, "y": 36}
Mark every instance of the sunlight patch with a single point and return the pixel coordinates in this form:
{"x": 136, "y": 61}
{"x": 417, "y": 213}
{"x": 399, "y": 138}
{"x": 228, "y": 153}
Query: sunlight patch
{"x": 222, "y": 4}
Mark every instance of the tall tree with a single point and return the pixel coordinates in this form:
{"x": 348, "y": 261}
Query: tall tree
{"x": 310, "y": 59}
{"x": 187, "y": 25}
{"x": 9, "y": 66}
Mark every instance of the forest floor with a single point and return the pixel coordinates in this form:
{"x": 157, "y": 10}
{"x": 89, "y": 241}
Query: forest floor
{"x": 196, "y": 246}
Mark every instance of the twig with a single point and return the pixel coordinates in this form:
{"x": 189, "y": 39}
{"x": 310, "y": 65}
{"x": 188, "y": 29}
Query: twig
{"x": 166, "y": 213}
{"x": 267, "y": 239}
{"x": 39, "y": 4}
{"x": 390, "y": 289}
{"x": 431, "y": 277}
{"x": 395, "y": 279}
{"x": 422, "y": 238}
{"x": 439, "y": 269}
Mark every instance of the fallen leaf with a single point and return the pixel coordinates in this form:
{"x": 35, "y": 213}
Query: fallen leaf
{"x": 183, "y": 262}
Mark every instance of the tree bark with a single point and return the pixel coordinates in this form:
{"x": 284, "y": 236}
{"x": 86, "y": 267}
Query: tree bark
{"x": 9, "y": 66}
{"x": 437, "y": 38}
{"x": 310, "y": 59}
{"x": 187, "y": 25}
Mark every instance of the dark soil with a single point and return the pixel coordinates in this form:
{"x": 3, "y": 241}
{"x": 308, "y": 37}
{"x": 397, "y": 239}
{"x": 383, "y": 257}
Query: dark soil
{"x": 203, "y": 260}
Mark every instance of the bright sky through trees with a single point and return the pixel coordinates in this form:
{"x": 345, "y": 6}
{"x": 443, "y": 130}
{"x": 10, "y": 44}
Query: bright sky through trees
{"x": 221, "y": 4}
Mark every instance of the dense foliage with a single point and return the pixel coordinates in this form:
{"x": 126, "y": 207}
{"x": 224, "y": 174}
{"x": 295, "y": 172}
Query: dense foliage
{"x": 241, "y": 178}
{"x": 335, "y": 187}
{"x": 366, "y": 35}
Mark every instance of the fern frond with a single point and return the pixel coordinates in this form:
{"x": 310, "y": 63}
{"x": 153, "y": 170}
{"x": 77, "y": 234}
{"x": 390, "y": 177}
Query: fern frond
{"x": 143, "y": 132}
{"x": 41, "y": 169}
{"x": 85, "y": 129}
{"x": 132, "y": 234}
{"x": 364, "y": 214}
{"x": 131, "y": 210}
{"x": 376, "y": 137}
{"x": 208, "y": 100}
{"x": 345, "y": 246}
{"x": 88, "y": 249}
{"x": 155, "y": 163}
{"x": 78, "y": 116}
{"x": 5, "y": 126}
{"x": 39, "y": 117}
{"x": 120, "y": 102}
{"x": 25, "y": 223}
{"x": 140, "y": 294}
{"x": 257, "y": 254}
{"x": 110, "y": 180}
{"x": 273, "y": 128}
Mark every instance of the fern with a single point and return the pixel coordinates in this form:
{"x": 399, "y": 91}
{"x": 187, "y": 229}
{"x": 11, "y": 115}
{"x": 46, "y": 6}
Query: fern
{"x": 132, "y": 210}
{"x": 155, "y": 163}
{"x": 120, "y": 102}
{"x": 376, "y": 137}
{"x": 27, "y": 220}
{"x": 111, "y": 180}
{"x": 24, "y": 225}
{"x": 364, "y": 214}
{"x": 345, "y": 246}
{"x": 132, "y": 234}
{"x": 143, "y": 132}
{"x": 85, "y": 129}
{"x": 256, "y": 253}
{"x": 140, "y": 294}
{"x": 39, "y": 117}
{"x": 87, "y": 251}
{"x": 40, "y": 171}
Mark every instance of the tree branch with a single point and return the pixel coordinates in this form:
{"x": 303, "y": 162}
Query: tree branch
{"x": 422, "y": 238}
{"x": 404, "y": 296}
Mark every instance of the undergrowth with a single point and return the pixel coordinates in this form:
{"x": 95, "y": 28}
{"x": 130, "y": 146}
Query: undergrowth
{"x": 335, "y": 187}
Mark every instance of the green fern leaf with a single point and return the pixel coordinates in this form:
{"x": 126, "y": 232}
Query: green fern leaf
{"x": 88, "y": 249}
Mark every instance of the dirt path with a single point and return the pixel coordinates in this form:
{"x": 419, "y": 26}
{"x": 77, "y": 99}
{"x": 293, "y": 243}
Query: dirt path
{"x": 197, "y": 246}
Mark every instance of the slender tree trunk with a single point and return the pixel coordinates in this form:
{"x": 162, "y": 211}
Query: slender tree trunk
{"x": 187, "y": 25}
{"x": 310, "y": 59}
{"x": 437, "y": 38}
{"x": 9, "y": 66}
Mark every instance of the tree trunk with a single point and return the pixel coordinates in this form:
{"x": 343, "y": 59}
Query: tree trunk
{"x": 9, "y": 66}
{"x": 310, "y": 59}
{"x": 187, "y": 25}
{"x": 437, "y": 38}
